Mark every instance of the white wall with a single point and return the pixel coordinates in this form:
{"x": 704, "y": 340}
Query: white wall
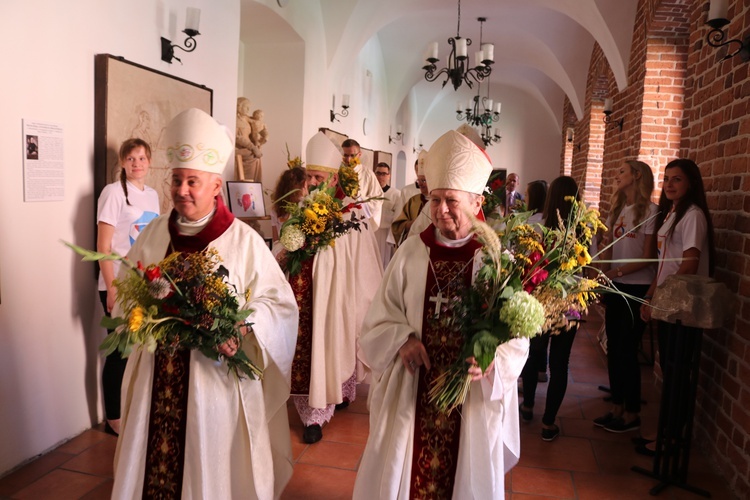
{"x": 49, "y": 333}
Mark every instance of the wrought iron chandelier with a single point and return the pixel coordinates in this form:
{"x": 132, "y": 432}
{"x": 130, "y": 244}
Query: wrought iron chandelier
{"x": 488, "y": 137}
{"x": 480, "y": 114}
{"x": 458, "y": 70}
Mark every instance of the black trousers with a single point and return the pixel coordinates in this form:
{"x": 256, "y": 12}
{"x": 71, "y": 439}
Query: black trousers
{"x": 560, "y": 345}
{"x": 624, "y": 331}
{"x": 112, "y": 373}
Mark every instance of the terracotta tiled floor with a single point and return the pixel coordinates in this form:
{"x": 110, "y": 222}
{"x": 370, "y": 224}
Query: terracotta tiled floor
{"x": 583, "y": 463}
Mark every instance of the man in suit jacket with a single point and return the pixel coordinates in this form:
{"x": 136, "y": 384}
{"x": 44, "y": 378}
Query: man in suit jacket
{"x": 512, "y": 197}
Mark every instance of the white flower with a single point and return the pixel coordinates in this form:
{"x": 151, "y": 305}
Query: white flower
{"x": 292, "y": 238}
{"x": 523, "y": 314}
{"x": 160, "y": 288}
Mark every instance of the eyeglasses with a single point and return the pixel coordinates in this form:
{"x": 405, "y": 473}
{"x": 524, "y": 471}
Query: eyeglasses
{"x": 382, "y": 174}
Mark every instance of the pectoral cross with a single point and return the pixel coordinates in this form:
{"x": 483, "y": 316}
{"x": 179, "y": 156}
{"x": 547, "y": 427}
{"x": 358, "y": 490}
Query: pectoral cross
{"x": 439, "y": 301}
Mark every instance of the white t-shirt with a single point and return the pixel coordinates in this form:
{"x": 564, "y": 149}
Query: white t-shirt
{"x": 128, "y": 220}
{"x": 631, "y": 245}
{"x": 690, "y": 232}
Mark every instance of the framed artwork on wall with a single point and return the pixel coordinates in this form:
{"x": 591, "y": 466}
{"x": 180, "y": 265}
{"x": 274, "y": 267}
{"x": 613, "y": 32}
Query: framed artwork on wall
{"x": 384, "y": 157}
{"x": 368, "y": 158}
{"x": 245, "y": 199}
{"x": 337, "y": 137}
{"x": 131, "y": 100}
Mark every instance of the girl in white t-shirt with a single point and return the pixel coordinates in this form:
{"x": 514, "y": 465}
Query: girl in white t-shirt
{"x": 125, "y": 207}
{"x": 685, "y": 245}
{"x": 631, "y": 226}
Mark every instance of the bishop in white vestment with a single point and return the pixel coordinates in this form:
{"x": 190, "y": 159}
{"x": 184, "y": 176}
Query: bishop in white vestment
{"x": 189, "y": 428}
{"x": 413, "y": 450}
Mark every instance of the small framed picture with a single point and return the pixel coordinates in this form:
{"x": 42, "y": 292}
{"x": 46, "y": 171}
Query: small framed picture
{"x": 246, "y": 199}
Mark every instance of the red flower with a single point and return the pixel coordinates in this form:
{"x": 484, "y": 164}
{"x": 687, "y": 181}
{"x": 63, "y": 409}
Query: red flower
{"x": 350, "y": 206}
{"x": 496, "y": 184}
{"x": 538, "y": 275}
{"x": 140, "y": 265}
{"x": 152, "y": 272}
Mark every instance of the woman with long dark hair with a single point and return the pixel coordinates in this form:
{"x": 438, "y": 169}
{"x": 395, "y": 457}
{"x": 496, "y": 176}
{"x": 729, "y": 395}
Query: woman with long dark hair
{"x": 291, "y": 181}
{"x": 685, "y": 245}
{"x": 556, "y": 210}
{"x": 631, "y": 226}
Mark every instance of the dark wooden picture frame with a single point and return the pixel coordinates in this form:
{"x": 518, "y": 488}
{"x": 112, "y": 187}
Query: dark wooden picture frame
{"x": 131, "y": 100}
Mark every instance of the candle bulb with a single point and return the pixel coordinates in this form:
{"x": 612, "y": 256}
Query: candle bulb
{"x": 608, "y": 104}
{"x": 488, "y": 50}
{"x": 433, "y": 52}
{"x": 478, "y": 58}
{"x": 497, "y": 107}
{"x": 345, "y": 101}
{"x": 719, "y": 9}
{"x": 460, "y": 47}
{"x": 459, "y": 106}
{"x": 398, "y": 130}
{"x": 489, "y": 104}
{"x": 192, "y": 19}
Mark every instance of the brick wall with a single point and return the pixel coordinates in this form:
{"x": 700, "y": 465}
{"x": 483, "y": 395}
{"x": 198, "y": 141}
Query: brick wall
{"x": 683, "y": 100}
{"x": 716, "y": 134}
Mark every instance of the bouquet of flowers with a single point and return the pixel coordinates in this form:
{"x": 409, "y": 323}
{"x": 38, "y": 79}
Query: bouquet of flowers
{"x": 494, "y": 193}
{"x": 183, "y": 302}
{"x": 530, "y": 283}
{"x": 314, "y": 223}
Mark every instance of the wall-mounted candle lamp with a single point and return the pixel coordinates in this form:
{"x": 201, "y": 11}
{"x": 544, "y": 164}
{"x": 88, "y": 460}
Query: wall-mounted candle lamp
{"x": 192, "y": 20}
{"x": 398, "y": 136}
{"x": 344, "y": 108}
{"x": 608, "y": 115}
{"x": 718, "y": 14}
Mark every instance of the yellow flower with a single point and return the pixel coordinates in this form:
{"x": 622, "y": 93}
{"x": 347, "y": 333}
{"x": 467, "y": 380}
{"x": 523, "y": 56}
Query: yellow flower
{"x": 569, "y": 264}
{"x": 320, "y": 209}
{"x": 332, "y": 243}
{"x": 136, "y": 319}
{"x": 248, "y": 294}
{"x": 310, "y": 215}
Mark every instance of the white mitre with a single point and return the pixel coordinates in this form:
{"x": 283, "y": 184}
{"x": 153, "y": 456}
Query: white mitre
{"x": 471, "y": 133}
{"x": 454, "y": 162}
{"x": 196, "y": 141}
{"x": 322, "y": 155}
{"x": 420, "y": 161}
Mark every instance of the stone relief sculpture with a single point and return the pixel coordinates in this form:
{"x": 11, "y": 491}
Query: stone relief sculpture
{"x": 252, "y": 134}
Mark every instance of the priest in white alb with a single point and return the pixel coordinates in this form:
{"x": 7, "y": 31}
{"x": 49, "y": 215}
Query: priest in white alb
{"x": 333, "y": 291}
{"x": 414, "y": 450}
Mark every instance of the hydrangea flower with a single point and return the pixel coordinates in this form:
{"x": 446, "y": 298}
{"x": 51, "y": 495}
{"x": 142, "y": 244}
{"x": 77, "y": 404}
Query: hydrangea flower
{"x": 292, "y": 238}
{"x": 524, "y": 314}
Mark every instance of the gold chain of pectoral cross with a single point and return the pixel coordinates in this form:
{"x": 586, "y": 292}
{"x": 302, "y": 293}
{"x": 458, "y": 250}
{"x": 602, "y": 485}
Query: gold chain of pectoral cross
{"x": 438, "y": 299}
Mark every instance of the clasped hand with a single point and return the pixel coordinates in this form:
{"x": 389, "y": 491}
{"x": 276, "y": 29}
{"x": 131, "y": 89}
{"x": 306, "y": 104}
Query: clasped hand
{"x": 413, "y": 355}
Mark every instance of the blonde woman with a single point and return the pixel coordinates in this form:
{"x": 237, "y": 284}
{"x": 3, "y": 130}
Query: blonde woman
{"x": 631, "y": 226}
{"x": 125, "y": 207}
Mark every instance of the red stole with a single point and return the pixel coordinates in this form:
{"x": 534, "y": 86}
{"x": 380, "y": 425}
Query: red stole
{"x": 436, "y": 435}
{"x": 302, "y": 287}
{"x": 165, "y": 447}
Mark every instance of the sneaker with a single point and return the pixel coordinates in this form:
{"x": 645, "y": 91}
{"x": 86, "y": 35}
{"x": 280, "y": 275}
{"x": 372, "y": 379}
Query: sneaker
{"x": 618, "y": 425}
{"x": 605, "y": 419}
{"x": 527, "y": 414}
{"x": 550, "y": 434}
